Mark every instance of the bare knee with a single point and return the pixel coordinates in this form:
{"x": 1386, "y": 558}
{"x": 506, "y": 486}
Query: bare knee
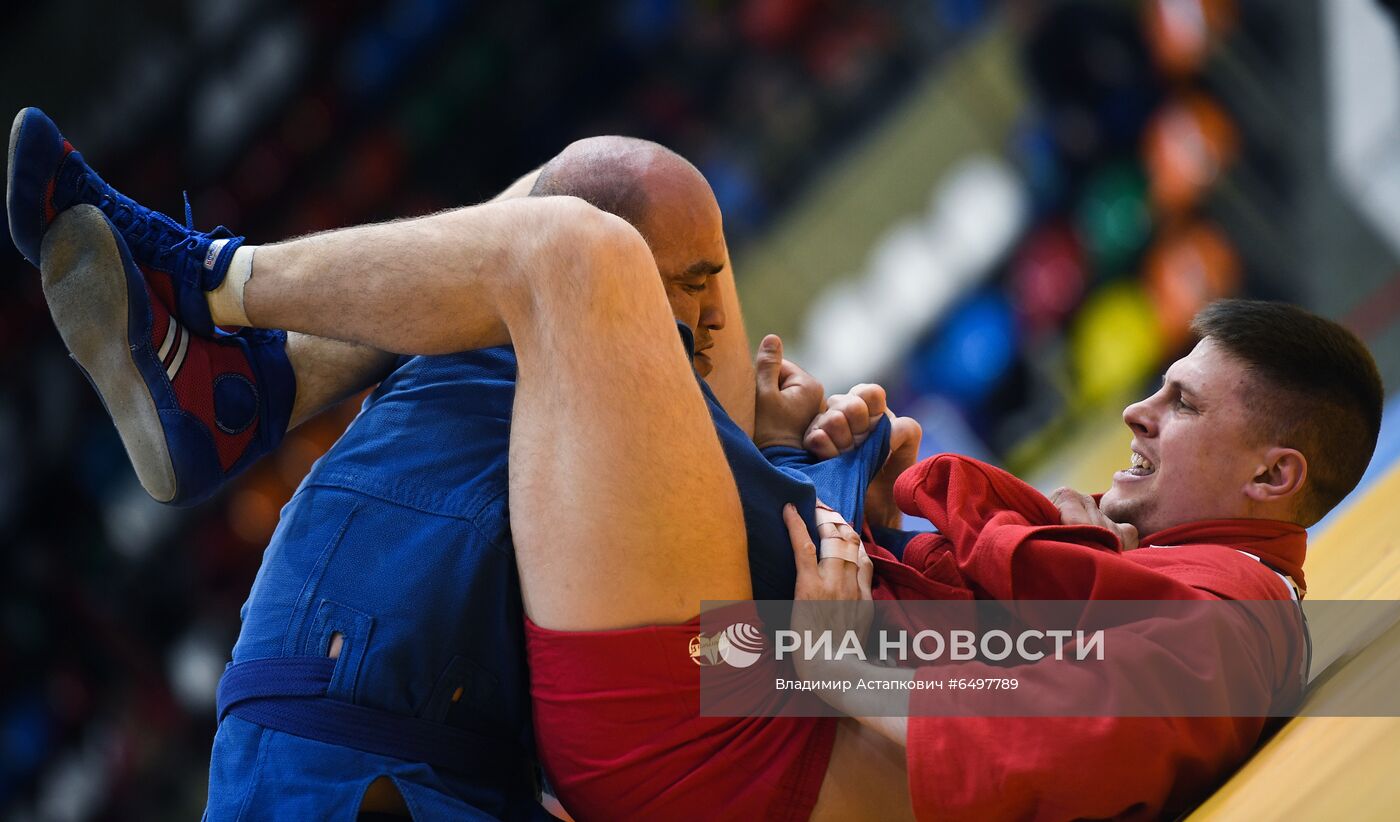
{"x": 597, "y": 263}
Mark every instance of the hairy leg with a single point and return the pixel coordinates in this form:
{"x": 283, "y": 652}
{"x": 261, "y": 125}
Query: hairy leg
{"x": 417, "y": 286}
{"x": 624, "y": 511}
{"x": 328, "y": 371}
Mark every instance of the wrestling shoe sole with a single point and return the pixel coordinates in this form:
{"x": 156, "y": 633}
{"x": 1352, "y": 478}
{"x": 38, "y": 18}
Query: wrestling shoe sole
{"x": 85, "y": 284}
{"x": 10, "y": 168}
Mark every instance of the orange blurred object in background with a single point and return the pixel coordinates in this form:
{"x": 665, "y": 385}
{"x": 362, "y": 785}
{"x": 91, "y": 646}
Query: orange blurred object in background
{"x": 1188, "y": 143}
{"x": 1187, "y": 268}
{"x": 1180, "y": 32}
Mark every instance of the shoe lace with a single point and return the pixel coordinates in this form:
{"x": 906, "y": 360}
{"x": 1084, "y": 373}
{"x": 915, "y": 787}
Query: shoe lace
{"x": 192, "y": 237}
{"x": 148, "y": 229}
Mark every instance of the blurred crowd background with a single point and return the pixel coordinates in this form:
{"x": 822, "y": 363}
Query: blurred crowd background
{"x": 1005, "y": 212}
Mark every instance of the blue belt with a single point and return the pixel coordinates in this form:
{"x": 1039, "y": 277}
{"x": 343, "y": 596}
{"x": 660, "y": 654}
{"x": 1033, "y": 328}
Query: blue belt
{"x": 288, "y": 694}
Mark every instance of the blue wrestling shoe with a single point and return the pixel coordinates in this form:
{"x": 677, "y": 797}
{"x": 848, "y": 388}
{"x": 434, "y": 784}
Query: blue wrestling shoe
{"x": 192, "y": 411}
{"x": 47, "y": 176}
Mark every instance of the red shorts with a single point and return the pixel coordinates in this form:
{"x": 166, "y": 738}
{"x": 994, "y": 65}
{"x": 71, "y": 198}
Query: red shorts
{"x": 617, "y": 719}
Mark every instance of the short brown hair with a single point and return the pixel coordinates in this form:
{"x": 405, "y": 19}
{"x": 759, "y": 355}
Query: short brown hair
{"x": 1321, "y": 392}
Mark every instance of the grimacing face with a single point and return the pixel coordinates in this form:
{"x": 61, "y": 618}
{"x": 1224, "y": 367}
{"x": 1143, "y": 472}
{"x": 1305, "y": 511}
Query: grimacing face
{"x": 1196, "y": 449}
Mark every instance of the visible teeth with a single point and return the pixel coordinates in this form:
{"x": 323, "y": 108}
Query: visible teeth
{"x": 1139, "y": 461}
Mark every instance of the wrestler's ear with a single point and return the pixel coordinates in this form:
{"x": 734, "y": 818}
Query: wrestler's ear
{"x": 1279, "y": 477}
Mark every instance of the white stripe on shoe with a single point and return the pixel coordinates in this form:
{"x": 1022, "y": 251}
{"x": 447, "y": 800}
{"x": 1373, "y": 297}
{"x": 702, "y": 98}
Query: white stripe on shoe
{"x": 179, "y": 360}
{"x": 171, "y": 329}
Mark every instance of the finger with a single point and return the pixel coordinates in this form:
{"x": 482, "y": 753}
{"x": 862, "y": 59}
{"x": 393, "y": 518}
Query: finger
{"x": 1071, "y": 505}
{"x": 906, "y": 435}
{"x": 827, "y": 514}
{"x": 804, "y": 552}
{"x": 1073, "y": 512}
{"x": 1128, "y": 535}
{"x": 801, "y": 388}
{"x": 768, "y": 363}
{"x": 834, "y": 423}
{"x": 819, "y": 444}
{"x": 874, "y": 397}
{"x": 1086, "y": 511}
{"x": 790, "y": 373}
{"x": 840, "y": 542}
{"x": 865, "y": 574}
{"x": 854, "y": 409}
{"x": 838, "y": 538}
{"x": 839, "y": 577}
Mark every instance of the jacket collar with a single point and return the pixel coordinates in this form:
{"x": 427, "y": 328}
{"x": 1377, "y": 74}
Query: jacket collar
{"x": 1282, "y": 546}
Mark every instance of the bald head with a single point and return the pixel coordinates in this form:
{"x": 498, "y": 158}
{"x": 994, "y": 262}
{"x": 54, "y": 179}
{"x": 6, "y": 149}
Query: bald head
{"x": 624, "y": 176}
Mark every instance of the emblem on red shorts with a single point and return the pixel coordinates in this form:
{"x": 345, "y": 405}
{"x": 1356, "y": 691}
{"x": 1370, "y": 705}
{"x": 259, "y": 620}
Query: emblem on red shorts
{"x": 704, "y": 650}
{"x": 740, "y": 645}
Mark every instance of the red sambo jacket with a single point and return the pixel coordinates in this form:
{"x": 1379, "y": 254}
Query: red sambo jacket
{"x": 1001, "y": 539}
